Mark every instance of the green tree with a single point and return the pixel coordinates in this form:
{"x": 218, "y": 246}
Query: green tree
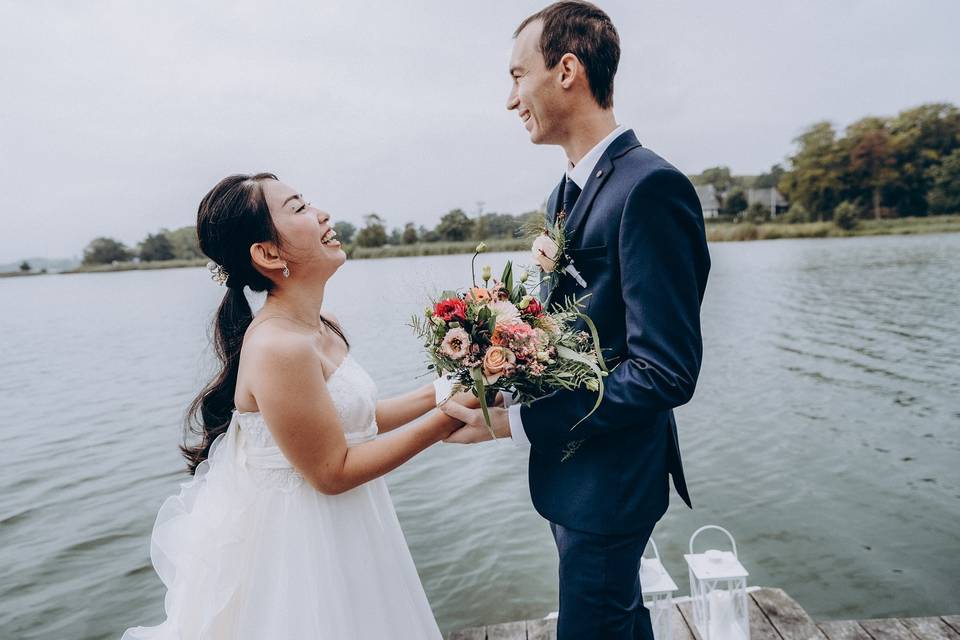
{"x": 815, "y": 176}
{"x": 921, "y": 137}
{"x": 498, "y": 225}
{"x": 872, "y": 162}
{"x": 427, "y": 235}
{"x": 944, "y": 193}
{"x": 719, "y": 177}
{"x": 184, "y": 242}
{"x": 104, "y": 250}
{"x": 846, "y": 215}
{"x": 770, "y": 179}
{"x": 345, "y": 231}
{"x": 25, "y": 266}
{"x": 734, "y": 202}
{"x": 455, "y": 226}
{"x": 156, "y": 247}
{"x": 373, "y": 233}
{"x": 409, "y": 233}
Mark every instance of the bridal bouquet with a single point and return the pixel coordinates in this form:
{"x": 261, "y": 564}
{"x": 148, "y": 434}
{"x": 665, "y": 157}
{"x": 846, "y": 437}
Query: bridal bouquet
{"x": 498, "y": 337}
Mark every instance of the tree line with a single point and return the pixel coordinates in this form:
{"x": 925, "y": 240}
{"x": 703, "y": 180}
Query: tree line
{"x": 878, "y": 167}
{"x": 454, "y": 226}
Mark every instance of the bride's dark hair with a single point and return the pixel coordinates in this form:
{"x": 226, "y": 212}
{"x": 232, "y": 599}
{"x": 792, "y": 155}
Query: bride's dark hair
{"x": 232, "y": 217}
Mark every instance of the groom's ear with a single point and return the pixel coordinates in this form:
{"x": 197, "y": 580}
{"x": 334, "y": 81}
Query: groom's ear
{"x": 570, "y": 70}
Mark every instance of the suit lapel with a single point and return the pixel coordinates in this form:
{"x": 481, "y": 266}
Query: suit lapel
{"x": 553, "y": 205}
{"x": 553, "y": 202}
{"x": 575, "y": 219}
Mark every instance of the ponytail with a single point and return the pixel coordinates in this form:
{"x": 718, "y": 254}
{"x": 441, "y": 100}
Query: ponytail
{"x": 231, "y": 218}
{"x": 210, "y": 412}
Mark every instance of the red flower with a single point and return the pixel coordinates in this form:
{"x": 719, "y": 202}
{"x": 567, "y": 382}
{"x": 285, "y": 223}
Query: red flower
{"x": 534, "y": 308}
{"x": 451, "y": 309}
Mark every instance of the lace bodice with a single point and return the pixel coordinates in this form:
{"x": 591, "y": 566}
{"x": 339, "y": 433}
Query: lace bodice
{"x": 354, "y": 395}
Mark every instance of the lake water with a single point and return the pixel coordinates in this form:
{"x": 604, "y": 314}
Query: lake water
{"x": 824, "y": 435}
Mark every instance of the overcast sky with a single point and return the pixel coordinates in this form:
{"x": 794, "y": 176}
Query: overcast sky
{"x": 116, "y": 117}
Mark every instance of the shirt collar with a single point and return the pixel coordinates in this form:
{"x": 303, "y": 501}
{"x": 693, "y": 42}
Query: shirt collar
{"x": 581, "y": 172}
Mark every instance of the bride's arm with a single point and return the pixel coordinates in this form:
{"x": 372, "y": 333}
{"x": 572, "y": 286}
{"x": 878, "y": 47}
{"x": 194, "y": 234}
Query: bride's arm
{"x": 399, "y": 410}
{"x": 292, "y": 395}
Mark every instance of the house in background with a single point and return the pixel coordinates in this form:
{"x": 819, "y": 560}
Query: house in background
{"x": 708, "y": 200}
{"x": 770, "y": 198}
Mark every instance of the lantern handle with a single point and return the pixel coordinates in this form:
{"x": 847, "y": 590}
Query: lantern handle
{"x": 733, "y": 542}
{"x": 656, "y": 552}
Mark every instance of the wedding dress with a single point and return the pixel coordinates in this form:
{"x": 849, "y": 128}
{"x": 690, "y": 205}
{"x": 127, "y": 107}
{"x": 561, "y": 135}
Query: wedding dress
{"x": 248, "y": 550}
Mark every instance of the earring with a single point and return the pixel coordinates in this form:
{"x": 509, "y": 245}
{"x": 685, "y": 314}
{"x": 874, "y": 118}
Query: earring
{"x": 286, "y": 271}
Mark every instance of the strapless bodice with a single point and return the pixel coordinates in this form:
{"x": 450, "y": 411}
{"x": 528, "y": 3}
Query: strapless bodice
{"x": 354, "y": 395}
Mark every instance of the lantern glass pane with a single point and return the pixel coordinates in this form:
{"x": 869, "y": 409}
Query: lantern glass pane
{"x": 661, "y": 610}
{"x": 720, "y": 608}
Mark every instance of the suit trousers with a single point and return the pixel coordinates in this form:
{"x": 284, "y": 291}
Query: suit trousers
{"x": 600, "y": 585}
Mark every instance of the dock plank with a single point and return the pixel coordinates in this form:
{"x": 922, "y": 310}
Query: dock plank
{"x": 473, "y": 633}
{"x": 787, "y": 616}
{"x": 952, "y": 621}
{"x": 681, "y": 631}
{"x": 932, "y": 628}
{"x": 542, "y": 629}
{"x": 507, "y": 631}
{"x": 760, "y": 626}
{"x": 686, "y": 612}
{"x": 843, "y": 630}
{"x": 886, "y": 629}
{"x": 774, "y": 615}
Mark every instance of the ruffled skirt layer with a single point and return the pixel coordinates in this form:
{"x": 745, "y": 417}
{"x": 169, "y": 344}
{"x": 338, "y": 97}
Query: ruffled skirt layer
{"x": 251, "y": 553}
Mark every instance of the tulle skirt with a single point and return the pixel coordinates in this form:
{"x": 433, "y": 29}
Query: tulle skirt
{"x": 256, "y": 553}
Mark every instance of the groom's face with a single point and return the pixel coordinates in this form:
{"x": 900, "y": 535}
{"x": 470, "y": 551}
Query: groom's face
{"x": 536, "y": 94}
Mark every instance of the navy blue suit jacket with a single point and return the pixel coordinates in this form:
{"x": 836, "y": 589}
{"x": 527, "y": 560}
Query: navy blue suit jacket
{"x": 636, "y": 235}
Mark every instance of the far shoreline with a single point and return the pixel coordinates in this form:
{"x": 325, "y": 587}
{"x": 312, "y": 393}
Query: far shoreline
{"x": 716, "y": 232}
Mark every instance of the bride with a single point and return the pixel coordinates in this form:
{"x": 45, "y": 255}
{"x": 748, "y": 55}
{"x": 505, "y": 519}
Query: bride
{"x": 287, "y": 529}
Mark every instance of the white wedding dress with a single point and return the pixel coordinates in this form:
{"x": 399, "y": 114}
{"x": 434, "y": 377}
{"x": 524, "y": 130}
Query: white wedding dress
{"x": 248, "y": 550}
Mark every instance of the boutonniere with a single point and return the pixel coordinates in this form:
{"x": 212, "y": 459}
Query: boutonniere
{"x": 549, "y": 251}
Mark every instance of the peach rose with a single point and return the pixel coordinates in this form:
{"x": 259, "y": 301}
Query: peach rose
{"x": 497, "y": 362}
{"x": 545, "y": 252}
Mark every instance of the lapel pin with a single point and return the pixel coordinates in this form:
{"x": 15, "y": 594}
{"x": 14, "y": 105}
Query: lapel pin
{"x": 599, "y": 173}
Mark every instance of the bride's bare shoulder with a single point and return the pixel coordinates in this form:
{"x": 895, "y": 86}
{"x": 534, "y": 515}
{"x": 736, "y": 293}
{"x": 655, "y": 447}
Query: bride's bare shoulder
{"x": 276, "y": 342}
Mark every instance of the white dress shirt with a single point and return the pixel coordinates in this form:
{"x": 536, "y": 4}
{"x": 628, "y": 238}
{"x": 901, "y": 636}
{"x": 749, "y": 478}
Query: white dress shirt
{"x": 579, "y": 174}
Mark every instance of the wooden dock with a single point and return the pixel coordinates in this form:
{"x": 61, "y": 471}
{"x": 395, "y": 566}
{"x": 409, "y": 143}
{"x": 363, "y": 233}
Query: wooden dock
{"x": 773, "y": 616}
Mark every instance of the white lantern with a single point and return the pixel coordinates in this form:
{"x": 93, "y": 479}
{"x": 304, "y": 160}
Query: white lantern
{"x": 657, "y": 588}
{"x": 718, "y": 590}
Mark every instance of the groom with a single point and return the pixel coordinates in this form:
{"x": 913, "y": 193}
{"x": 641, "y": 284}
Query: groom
{"x": 636, "y": 237}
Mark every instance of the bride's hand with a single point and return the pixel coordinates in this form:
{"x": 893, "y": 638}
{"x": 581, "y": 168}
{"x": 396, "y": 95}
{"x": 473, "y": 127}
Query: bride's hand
{"x": 474, "y": 427}
{"x": 470, "y": 401}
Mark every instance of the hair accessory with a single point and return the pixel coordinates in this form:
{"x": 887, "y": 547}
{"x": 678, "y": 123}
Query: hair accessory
{"x": 286, "y": 271}
{"x": 217, "y": 273}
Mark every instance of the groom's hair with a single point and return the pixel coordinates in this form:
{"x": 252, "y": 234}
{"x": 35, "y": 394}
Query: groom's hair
{"x": 587, "y": 32}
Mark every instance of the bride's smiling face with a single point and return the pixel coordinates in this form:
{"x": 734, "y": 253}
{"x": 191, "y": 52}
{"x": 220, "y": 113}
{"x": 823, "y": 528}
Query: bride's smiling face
{"x": 309, "y": 241}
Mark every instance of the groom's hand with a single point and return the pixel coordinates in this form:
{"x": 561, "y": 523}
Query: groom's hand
{"x": 474, "y": 427}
